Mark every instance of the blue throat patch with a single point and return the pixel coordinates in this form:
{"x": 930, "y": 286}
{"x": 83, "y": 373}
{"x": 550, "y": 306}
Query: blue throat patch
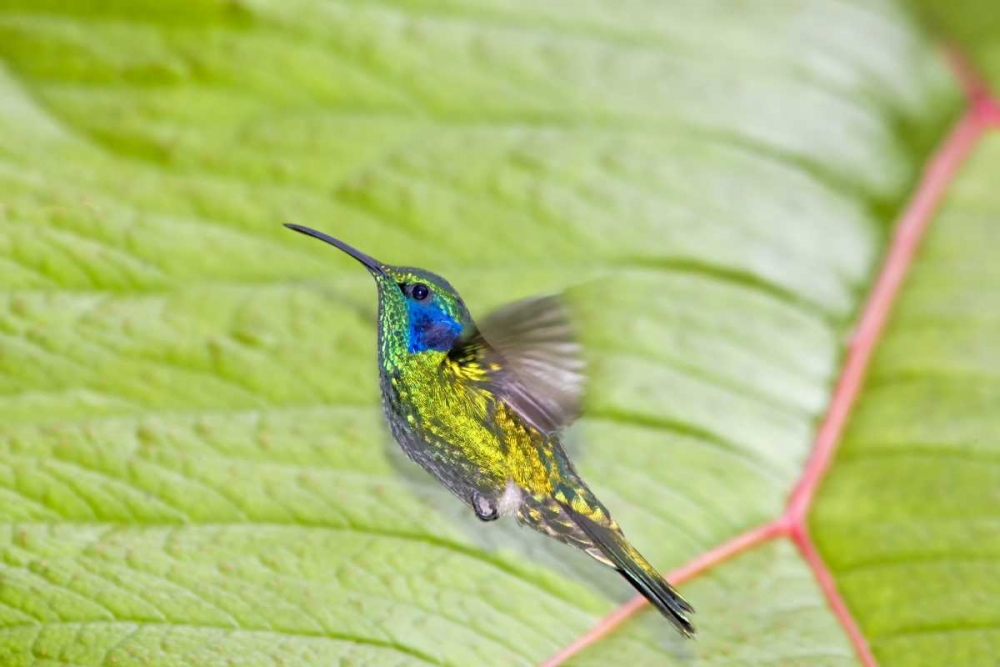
{"x": 431, "y": 328}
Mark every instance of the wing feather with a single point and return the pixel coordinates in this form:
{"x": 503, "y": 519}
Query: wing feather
{"x": 534, "y": 360}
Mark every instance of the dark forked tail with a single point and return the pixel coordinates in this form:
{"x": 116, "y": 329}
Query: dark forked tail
{"x": 637, "y": 570}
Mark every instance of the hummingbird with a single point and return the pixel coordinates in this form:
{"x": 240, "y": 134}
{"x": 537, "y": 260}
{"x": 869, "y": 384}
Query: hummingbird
{"x": 481, "y": 407}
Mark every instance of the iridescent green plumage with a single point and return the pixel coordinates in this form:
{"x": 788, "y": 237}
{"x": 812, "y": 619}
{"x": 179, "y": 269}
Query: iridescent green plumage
{"x": 481, "y": 409}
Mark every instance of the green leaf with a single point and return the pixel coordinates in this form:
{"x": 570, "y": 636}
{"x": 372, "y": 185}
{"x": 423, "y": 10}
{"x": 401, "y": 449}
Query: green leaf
{"x": 970, "y": 26}
{"x": 909, "y": 519}
{"x": 193, "y": 465}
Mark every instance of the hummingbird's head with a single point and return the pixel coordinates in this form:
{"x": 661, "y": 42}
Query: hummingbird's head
{"x": 419, "y": 311}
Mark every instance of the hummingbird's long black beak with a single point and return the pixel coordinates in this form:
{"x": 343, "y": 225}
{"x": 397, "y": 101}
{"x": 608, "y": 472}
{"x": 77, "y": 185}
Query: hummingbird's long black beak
{"x": 368, "y": 261}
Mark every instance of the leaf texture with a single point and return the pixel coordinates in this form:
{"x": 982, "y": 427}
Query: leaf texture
{"x": 910, "y": 517}
{"x": 193, "y": 468}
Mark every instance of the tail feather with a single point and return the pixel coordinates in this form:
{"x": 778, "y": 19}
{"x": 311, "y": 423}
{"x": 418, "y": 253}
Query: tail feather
{"x": 637, "y": 571}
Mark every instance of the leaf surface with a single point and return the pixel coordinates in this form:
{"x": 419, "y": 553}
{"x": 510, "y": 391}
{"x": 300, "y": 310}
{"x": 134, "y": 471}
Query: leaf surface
{"x": 193, "y": 467}
{"x": 909, "y": 519}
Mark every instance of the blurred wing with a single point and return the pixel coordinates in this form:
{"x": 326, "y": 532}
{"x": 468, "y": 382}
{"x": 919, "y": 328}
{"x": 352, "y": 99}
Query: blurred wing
{"x": 540, "y": 371}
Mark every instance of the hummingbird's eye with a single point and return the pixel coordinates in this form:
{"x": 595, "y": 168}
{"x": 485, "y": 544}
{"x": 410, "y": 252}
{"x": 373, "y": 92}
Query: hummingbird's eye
{"x": 419, "y": 291}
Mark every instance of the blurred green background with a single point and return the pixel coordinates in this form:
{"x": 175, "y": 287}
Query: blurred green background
{"x": 193, "y": 466}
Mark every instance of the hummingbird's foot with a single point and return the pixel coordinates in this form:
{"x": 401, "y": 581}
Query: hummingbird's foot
{"x": 486, "y": 509}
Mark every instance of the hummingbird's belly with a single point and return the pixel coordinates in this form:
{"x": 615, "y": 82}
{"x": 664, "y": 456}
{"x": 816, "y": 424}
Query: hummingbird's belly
{"x": 455, "y": 464}
{"x": 460, "y": 451}
{"x": 467, "y": 438}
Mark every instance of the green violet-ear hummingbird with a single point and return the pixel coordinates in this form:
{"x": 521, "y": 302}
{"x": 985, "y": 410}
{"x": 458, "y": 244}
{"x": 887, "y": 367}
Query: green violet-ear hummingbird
{"x": 481, "y": 408}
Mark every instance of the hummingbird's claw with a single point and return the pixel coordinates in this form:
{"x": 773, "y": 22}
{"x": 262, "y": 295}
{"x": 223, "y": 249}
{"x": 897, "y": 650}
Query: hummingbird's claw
{"x": 485, "y": 509}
